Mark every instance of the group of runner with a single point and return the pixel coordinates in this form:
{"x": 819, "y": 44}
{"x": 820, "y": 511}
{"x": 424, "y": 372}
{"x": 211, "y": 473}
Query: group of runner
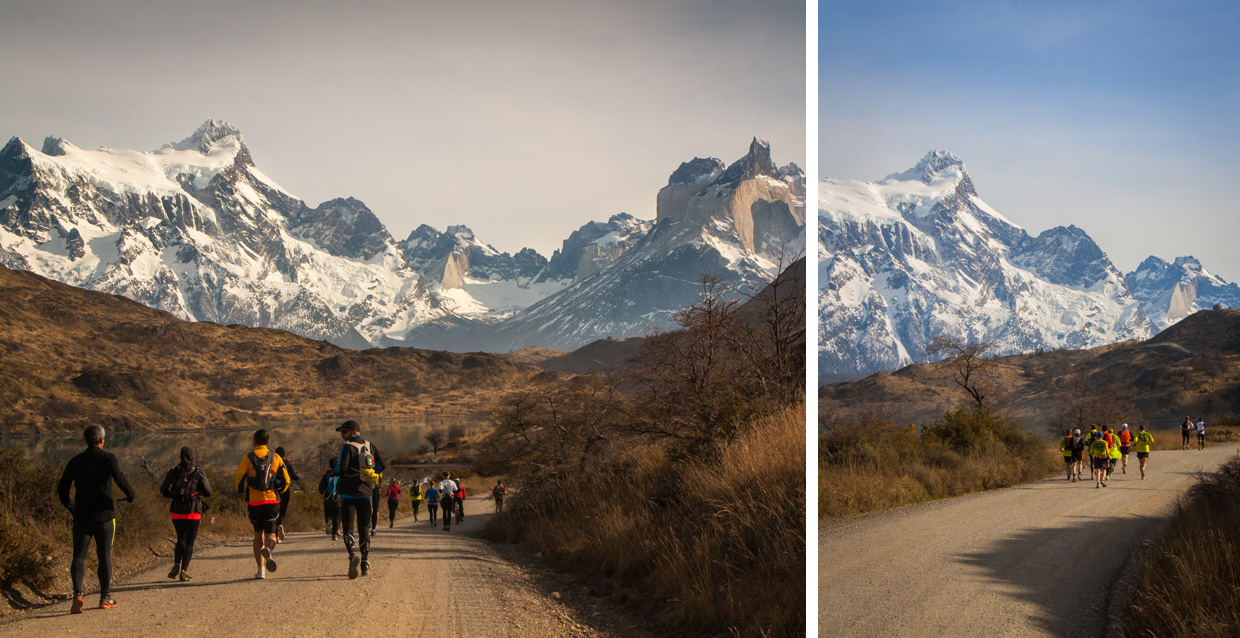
{"x": 1188, "y": 427}
{"x": 350, "y": 488}
{"x": 1106, "y": 450}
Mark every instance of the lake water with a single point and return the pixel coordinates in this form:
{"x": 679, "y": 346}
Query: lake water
{"x": 224, "y": 448}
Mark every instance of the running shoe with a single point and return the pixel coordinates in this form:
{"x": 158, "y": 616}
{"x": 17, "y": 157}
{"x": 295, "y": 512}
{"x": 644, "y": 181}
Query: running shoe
{"x": 354, "y": 561}
{"x": 365, "y": 567}
{"x": 261, "y": 574}
{"x": 1097, "y": 486}
{"x": 77, "y": 605}
{"x": 176, "y": 569}
{"x": 107, "y": 603}
{"x": 185, "y": 576}
{"x": 1104, "y": 484}
{"x": 267, "y": 559}
{"x": 1125, "y": 468}
{"x": 279, "y": 535}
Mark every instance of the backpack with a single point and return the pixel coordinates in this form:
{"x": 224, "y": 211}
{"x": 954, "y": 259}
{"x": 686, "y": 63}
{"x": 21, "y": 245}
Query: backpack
{"x": 264, "y": 480}
{"x": 182, "y": 491}
{"x": 330, "y": 496}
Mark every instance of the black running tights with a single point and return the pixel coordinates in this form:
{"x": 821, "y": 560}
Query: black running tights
{"x": 102, "y": 533}
{"x": 354, "y": 514}
{"x": 187, "y": 533}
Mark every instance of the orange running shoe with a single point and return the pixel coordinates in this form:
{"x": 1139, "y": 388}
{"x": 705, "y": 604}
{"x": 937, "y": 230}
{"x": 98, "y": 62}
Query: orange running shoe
{"x": 77, "y": 605}
{"x": 107, "y": 603}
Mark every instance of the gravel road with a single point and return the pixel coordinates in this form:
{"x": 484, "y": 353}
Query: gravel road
{"x": 1044, "y": 559}
{"x": 423, "y": 582}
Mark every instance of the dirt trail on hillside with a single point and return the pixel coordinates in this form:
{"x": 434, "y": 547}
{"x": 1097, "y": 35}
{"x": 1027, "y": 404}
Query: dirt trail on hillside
{"x": 1045, "y": 559}
{"x": 423, "y": 582}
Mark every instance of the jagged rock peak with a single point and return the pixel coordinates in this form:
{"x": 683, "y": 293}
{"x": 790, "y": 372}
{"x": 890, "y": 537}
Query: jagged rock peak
{"x": 208, "y": 135}
{"x": 696, "y": 170}
{"x": 931, "y": 166}
{"x": 16, "y": 147}
{"x": 1153, "y": 262}
{"x": 55, "y": 145}
{"x": 461, "y": 232}
{"x": 756, "y": 162}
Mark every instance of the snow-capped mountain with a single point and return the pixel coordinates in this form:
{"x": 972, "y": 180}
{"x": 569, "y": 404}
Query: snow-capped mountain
{"x": 1170, "y": 292}
{"x": 473, "y": 279}
{"x": 196, "y": 229}
{"x": 740, "y": 222}
{"x": 920, "y": 254}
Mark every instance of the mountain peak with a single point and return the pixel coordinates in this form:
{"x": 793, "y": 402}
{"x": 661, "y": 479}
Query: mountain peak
{"x": 756, "y": 162}
{"x": 935, "y": 164}
{"x": 56, "y": 146}
{"x": 210, "y": 135}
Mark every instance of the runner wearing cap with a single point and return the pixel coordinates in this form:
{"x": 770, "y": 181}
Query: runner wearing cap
{"x": 432, "y": 500}
{"x": 358, "y": 466}
{"x": 1078, "y": 453}
{"x": 185, "y": 484}
{"x": 415, "y": 498}
{"x": 1125, "y": 444}
{"x": 1099, "y": 456}
{"x": 1143, "y": 442}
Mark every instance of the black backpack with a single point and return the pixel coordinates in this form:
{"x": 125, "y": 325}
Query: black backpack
{"x": 264, "y": 480}
{"x": 183, "y": 486}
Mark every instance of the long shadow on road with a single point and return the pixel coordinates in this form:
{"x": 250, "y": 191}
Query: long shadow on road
{"x": 1074, "y": 576}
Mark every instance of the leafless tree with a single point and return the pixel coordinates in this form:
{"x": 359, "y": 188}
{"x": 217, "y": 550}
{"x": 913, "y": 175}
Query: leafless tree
{"x": 969, "y": 363}
{"x": 436, "y": 437}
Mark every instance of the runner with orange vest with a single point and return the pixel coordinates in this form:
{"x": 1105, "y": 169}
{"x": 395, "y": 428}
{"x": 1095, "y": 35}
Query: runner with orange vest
{"x": 1125, "y": 444}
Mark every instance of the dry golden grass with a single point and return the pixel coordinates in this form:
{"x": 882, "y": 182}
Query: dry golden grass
{"x": 873, "y": 464}
{"x": 72, "y": 357}
{"x": 1190, "y": 584}
{"x": 722, "y": 541}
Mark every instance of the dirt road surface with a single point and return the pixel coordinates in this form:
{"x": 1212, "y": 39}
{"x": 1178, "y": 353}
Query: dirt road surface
{"x": 1044, "y": 559}
{"x": 423, "y": 582}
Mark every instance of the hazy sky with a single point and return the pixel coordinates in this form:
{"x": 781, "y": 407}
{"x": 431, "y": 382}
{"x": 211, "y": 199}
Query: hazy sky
{"x": 522, "y": 120}
{"x": 1119, "y": 117}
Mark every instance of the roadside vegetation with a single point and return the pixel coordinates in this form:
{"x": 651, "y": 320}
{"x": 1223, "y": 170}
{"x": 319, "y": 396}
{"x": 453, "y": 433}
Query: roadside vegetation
{"x": 35, "y": 528}
{"x": 677, "y": 487}
{"x": 1189, "y": 584}
{"x": 871, "y": 464}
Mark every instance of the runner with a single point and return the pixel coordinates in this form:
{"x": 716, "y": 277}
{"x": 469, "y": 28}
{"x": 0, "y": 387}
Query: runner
{"x": 1185, "y": 428}
{"x": 1125, "y": 443}
{"x": 261, "y": 477}
{"x": 1065, "y": 447}
{"x": 375, "y": 496}
{"x": 284, "y": 496}
{"x": 92, "y": 473}
{"x": 185, "y": 484}
{"x": 393, "y": 494}
{"x": 1078, "y": 453}
{"x": 1144, "y": 441}
{"x": 499, "y": 492}
{"x": 358, "y": 466}
{"x": 447, "y": 490}
{"x": 1201, "y": 434}
{"x": 459, "y": 501}
{"x": 1099, "y": 455}
{"x": 432, "y": 501}
{"x": 1113, "y": 461}
{"x": 415, "y": 498}
{"x": 331, "y": 503}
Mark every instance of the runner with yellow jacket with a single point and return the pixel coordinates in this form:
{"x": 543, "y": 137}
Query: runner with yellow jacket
{"x": 261, "y": 476}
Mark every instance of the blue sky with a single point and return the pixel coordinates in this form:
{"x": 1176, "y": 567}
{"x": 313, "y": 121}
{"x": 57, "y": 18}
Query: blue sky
{"x": 1119, "y": 117}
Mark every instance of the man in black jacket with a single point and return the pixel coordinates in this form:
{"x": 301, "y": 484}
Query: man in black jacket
{"x": 285, "y": 495}
{"x": 94, "y": 515}
{"x": 357, "y": 466}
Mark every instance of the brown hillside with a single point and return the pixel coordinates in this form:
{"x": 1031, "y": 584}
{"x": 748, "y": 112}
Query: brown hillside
{"x": 70, "y": 356}
{"x": 1192, "y": 368}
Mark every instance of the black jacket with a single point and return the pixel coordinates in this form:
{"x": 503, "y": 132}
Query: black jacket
{"x": 350, "y": 483}
{"x": 197, "y": 488}
{"x": 93, "y": 472}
